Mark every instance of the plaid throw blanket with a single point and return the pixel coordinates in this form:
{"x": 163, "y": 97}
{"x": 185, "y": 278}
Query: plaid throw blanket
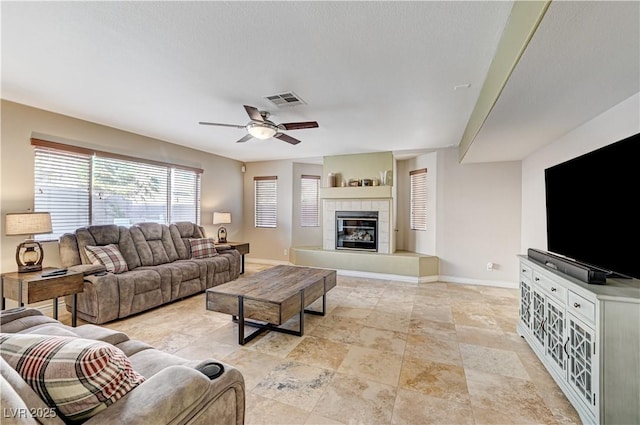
{"x": 77, "y": 377}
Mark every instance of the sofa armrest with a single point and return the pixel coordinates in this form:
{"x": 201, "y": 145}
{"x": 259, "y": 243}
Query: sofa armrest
{"x": 179, "y": 394}
{"x": 12, "y": 314}
{"x": 88, "y": 269}
{"x": 20, "y": 319}
{"x": 100, "y": 300}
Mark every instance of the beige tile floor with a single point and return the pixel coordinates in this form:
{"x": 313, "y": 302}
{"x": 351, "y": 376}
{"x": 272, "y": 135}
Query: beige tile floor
{"x": 386, "y": 353}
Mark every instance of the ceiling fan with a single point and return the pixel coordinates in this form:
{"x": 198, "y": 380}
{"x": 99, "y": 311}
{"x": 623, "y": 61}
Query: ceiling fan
{"x": 261, "y": 128}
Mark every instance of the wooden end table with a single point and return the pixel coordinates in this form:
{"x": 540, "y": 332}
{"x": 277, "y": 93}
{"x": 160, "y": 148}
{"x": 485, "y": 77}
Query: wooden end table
{"x": 242, "y": 248}
{"x": 32, "y": 287}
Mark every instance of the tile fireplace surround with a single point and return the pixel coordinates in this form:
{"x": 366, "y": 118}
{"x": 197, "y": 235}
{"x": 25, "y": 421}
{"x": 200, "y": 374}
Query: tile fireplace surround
{"x": 382, "y": 206}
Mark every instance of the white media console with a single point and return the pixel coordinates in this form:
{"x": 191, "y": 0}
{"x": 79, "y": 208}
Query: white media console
{"x": 588, "y": 338}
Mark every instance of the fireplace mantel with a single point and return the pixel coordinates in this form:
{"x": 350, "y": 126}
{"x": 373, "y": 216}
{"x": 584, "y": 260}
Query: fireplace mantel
{"x": 359, "y": 192}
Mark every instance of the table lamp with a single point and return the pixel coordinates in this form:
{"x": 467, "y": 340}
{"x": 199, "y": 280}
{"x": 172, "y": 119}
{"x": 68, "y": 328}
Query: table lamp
{"x": 29, "y": 254}
{"x": 222, "y": 218}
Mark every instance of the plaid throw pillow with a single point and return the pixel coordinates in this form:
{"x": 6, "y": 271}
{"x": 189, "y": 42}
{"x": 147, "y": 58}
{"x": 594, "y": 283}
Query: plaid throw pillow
{"x": 107, "y": 255}
{"x": 202, "y": 248}
{"x": 78, "y": 377}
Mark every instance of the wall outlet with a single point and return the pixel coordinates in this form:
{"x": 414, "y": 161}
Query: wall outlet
{"x": 286, "y": 252}
{"x": 490, "y": 266}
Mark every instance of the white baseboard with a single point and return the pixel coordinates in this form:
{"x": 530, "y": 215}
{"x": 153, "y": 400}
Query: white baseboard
{"x": 266, "y": 261}
{"x": 468, "y": 281}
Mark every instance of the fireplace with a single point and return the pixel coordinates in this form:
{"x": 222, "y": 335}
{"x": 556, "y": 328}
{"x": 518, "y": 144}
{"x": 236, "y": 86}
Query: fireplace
{"x": 357, "y": 230}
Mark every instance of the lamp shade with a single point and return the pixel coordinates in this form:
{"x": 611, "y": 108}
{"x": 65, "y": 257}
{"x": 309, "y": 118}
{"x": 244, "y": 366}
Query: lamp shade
{"x": 30, "y": 223}
{"x": 221, "y": 218}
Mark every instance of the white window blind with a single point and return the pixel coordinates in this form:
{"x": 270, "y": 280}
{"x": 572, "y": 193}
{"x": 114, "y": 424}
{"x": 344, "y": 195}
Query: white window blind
{"x": 126, "y": 192}
{"x": 185, "y": 193}
{"x": 418, "y": 199}
{"x": 82, "y": 187}
{"x": 62, "y": 187}
{"x": 309, "y": 201}
{"x": 266, "y": 201}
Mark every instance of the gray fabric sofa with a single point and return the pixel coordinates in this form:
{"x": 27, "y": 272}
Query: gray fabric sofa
{"x": 160, "y": 268}
{"x": 174, "y": 391}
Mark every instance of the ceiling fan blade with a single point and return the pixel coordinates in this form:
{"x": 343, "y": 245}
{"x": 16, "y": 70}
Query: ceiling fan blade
{"x": 287, "y": 139}
{"x": 221, "y": 125}
{"x": 299, "y": 125}
{"x": 254, "y": 114}
{"x": 245, "y": 138}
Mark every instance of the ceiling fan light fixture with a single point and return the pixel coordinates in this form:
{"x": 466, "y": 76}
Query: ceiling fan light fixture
{"x": 261, "y": 131}
{"x": 261, "y": 128}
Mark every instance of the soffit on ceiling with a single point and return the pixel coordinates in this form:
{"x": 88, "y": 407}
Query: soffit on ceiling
{"x": 583, "y": 59}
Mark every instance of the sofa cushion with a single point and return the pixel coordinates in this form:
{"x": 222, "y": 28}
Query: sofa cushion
{"x": 109, "y": 256}
{"x": 181, "y": 232}
{"x": 202, "y": 248}
{"x": 78, "y": 377}
{"x": 106, "y": 234}
{"x": 153, "y": 243}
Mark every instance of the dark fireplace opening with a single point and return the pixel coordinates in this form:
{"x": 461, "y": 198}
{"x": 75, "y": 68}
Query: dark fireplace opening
{"x": 357, "y": 230}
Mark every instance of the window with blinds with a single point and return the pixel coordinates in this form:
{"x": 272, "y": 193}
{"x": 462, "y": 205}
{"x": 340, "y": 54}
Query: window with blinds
{"x": 80, "y": 187}
{"x": 310, "y": 201}
{"x": 63, "y": 188}
{"x": 418, "y": 199}
{"x": 127, "y": 192}
{"x": 185, "y": 194}
{"x": 266, "y": 201}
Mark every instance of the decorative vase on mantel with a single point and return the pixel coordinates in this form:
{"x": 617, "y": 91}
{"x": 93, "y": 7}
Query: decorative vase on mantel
{"x": 383, "y": 177}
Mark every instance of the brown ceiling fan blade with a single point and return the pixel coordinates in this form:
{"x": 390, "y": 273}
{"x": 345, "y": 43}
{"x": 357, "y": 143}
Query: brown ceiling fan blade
{"x": 245, "y": 138}
{"x": 287, "y": 139}
{"x": 221, "y": 125}
{"x": 299, "y": 125}
{"x": 254, "y": 114}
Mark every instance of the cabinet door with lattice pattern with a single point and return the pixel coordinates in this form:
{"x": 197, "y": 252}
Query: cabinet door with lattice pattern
{"x": 538, "y": 319}
{"x": 525, "y": 303}
{"x": 582, "y": 360}
{"x": 555, "y": 330}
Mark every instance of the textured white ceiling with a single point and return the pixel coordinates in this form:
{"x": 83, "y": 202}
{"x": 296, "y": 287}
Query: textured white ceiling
{"x": 377, "y": 76}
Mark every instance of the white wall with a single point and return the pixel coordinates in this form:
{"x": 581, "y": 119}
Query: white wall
{"x": 304, "y": 236}
{"x": 221, "y": 180}
{"x": 269, "y": 243}
{"x": 423, "y": 242}
{"x": 478, "y": 219}
{"x": 617, "y": 123}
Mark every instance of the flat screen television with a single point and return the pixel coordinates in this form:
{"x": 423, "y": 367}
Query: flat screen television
{"x": 592, "y": 208}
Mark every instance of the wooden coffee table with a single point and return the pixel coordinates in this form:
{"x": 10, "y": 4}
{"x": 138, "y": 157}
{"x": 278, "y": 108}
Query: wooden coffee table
{"x": 269, "y": 298}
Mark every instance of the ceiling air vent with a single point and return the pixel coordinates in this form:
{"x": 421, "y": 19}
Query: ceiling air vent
{"x": 285, "y": 99}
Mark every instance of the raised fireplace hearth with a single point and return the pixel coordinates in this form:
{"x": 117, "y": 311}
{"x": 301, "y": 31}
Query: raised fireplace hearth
{"x": 357, "y": 230}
